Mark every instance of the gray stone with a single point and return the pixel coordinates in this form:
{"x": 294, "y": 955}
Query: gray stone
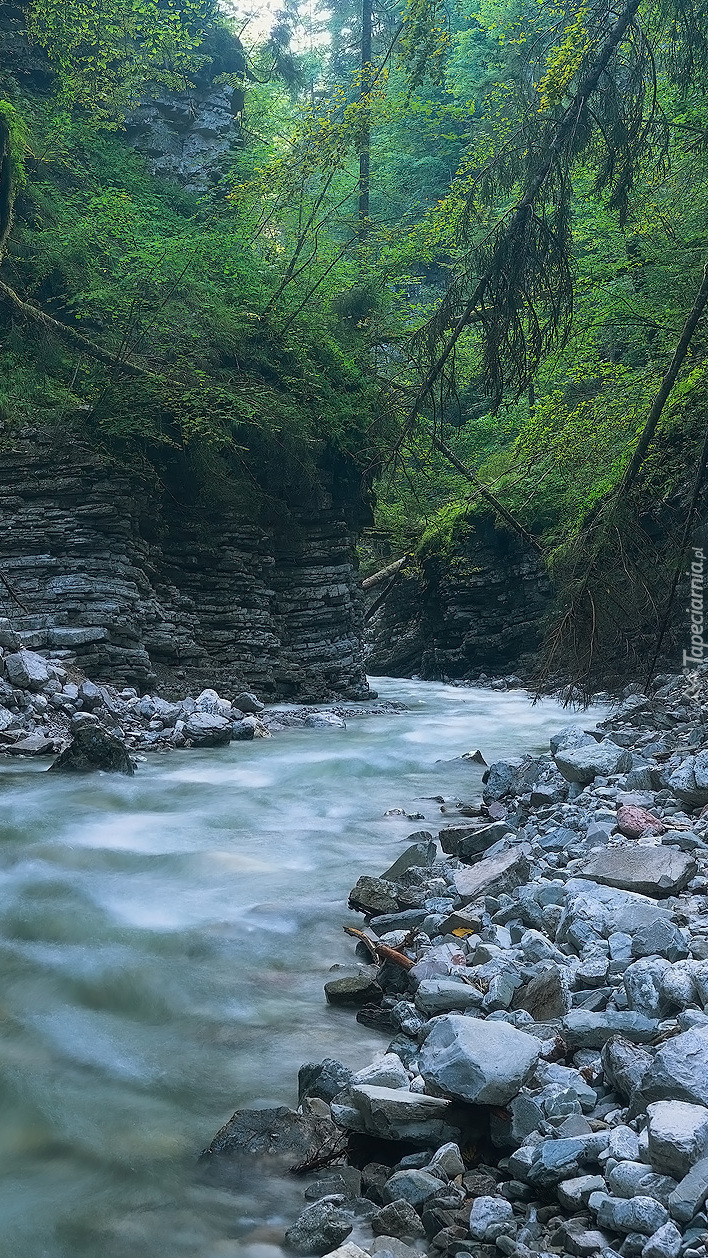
{"x": 690, "y": 1195}
{"x": 583, "y": 1241}
{"x": 276, "y": 1133}
{"x": 398, "y": 1219}
{"x": 678, "y": 1136}
{"x": 392, "y": 1247}
{"x": 545, "y": 996}
{"x": 394, "y": 1114}
{"x": 679, "y": 1071}
{"x": 489, "y": 1217}
{"x": 324, "y": 720}
{"x": 638, "y": 1214}
{"x": 624, "y": 1144}
{"x": 665, "y": 1243}
{"x": 354, "y": 989}
{"x": 584, "y": 763}
{"x": 662, "y": 939}
{"x": 632, "y": 1179}
{"x": 499, "y": 778}
{"x": 573, "y": 1194}
{"x": 485, "y": 1063}
{"x": 442, "y": 995}
{"x": 31, "y": 745}
{"x": 417, "y": 855}
{"x": 323, "y": 1079}
{"x": 468, "y": 841}
{"x": 27, "y": 670}
{"x": 624, "y": 1065}
{"x": 566, "y": 1078}
{"x": 556, "y": 1160}
{"x": 447, "y": 1160}
{"x": 387, "y": 1072}
{"x": 93, "y": 748}
{"x": 319, "y": 1229}
{"x": 492, "y": 875}
{"x": 373, "y": 896}
{"x": 208, "y": 729}
{"x": 246, "y": 701}
{"x": 643, "y": 985}
{"x": 651, "y": 871}
{"x": 412, "y": 1186}
{"x": 690, "y": 781}
{"x": 585, "y": 1029}
{"x": 571, "y": 736}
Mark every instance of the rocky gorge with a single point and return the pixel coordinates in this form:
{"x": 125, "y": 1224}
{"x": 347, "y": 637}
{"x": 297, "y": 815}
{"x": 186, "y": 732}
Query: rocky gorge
{"x": 540, "y": 969}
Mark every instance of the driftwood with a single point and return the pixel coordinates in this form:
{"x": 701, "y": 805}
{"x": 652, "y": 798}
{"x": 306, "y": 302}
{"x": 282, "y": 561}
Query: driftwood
{"x": 380, "y": 951}
{"x": 383, "y": 574}
{"x": 318, "y": 1159}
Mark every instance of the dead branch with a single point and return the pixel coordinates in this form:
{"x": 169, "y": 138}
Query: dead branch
{"x": 380, "y": 951}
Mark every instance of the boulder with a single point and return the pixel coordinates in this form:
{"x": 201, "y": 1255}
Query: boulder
{"x": 571, "y": 736}
{"x": 394, "y": 1114}
{"x": 31, "y": 745}
{"x": 246, "y": 701}
{"x": 679, "y": 1071}
{"x": 373, "y": 896}
{"x": 581, "y": 1028}
{"x": 555, "y": 1160}
{"x": 27, "y": 670}
{"x": 690, "y": 1195}
{"x": 494, "y": 874}
{"x": 500, "y": 777}
{"x": 678, "y": 1136}
{"x": 274, "y": 1133}
{"x": 320, "y": 1228}
{"x": 485, "y": 1063}
{"x": 651, "y": 871}
{"x": 633, "y": 821}
{"x": 689, "y": 782}
{"x": 208, "y": 729}
{"x": 545, "y": 996}
{"x": 412, "y": 1186}
{"x": 661, "y": 938}
{"x": 584, "y": 763}
{"x": 636, "y": 1179}
{"x": 470, "y": 841}
{"x": 353, "y": 989}
{"x": 625, "y": 1065}
{"x": 387, "y": 1072}
{"x": 640, "y": 1214}
{"x": 417, "y": 855}
{"x": 489, "y": 1217}
{"x": 322, "y": 1079}
{"x": 324, "y": 720}
{"x": 92, "y": 748}
{"x": 398, "y": 1219}
{"x": 665, "y": 1243}
{"x": 443, "y": 995}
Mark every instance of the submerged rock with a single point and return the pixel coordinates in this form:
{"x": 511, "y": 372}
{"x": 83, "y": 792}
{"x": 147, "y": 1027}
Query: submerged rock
{"x": 92, "y": 748}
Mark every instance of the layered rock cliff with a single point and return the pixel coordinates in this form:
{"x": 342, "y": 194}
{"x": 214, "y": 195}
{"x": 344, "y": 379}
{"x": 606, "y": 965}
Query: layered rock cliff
{"x": 139, "y": 585}
{"x": 454, "y": 613}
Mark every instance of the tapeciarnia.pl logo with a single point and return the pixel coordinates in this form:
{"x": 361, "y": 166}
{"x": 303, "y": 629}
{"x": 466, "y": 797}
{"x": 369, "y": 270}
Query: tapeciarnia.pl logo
{"x": 695, "y": 611}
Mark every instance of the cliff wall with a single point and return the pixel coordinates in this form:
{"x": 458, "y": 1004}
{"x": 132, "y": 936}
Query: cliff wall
{"x": 475, "y": 607}
{"x": 139, "y": 586}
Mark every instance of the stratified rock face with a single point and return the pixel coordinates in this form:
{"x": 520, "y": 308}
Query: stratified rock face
{"x": 479, "y": 608}
{"x": 185, "y": 135}
{"x": 136, "y": 588}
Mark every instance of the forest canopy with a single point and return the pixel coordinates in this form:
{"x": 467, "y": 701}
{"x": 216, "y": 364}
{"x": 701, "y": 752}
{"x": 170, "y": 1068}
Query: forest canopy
{"x": 464, "y": 244}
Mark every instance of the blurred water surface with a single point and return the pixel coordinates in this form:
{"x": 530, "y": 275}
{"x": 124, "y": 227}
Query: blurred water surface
{"x": 164, "y": 940}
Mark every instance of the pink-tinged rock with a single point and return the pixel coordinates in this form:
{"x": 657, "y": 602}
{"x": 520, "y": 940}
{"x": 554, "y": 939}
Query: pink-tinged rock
{"x": 634, "y": 822}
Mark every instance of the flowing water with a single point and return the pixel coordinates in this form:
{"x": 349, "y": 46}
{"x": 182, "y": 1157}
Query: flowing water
{"x": 164, "y": 940}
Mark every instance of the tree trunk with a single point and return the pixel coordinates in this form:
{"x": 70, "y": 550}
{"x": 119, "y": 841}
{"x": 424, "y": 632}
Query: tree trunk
{"x": 365, "y": 85}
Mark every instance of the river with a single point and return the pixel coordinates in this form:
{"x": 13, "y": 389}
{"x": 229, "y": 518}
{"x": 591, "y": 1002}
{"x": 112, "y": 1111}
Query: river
{"x": 164, "y": 940}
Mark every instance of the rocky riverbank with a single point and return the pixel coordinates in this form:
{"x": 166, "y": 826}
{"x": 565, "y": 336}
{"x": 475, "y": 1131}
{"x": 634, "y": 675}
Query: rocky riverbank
{"x": 540, "y": 972}
{"x": 48, "y": 708}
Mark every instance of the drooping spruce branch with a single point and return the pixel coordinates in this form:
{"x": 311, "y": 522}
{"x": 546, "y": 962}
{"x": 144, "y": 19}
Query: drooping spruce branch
{"x": 528, "y": 263}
